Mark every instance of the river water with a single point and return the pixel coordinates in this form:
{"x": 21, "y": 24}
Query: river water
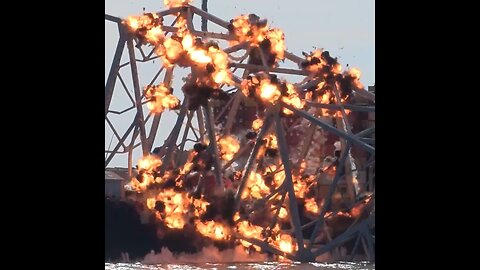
{"x": 242, "y": 266}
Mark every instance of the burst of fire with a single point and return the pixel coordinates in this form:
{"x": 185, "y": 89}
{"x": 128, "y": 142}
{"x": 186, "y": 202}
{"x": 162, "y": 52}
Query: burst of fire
{"x": 149, "y": 163}
{"x": 213, "y": 230}
{"x": 222, "y": 73}
{"x": 161, "y": 98}
{"x": 320, "y": 62}
{"x": 355, "y": 74}
{"x": 277, "y": 39}
{"x": 293, "y": 99}
{"x": 148, "y": 25}
{"x": 324, "y": 99}
{"x": 176, "y": 3}
{"x": 300, "y": 186}
{"x": 249, "y": 28}
{"x": 147, "y": 166}
{"x": 175, "y": 221}
{"x": 189, "y": 164}
{"x": 248, "y": 230}
{"x": 245, "y": 31}
{"x": 176, "y": 207}
{"x": 283, "y": 214}
{"x": 311, "y": 206}
{"x": 182, "y": 31}
{"x": 210, "y": 59}
{"x": 256, "y": 187}
{"x": 229, "y": 146}
{"x": 170, "y": 51}
{"x": 200, "y": 206}
{"x": 268, "y": 91}
{"x": 285, "y": 243}
{"x": 257, "y": 124}
{"x": 151, "y": 203}
{"x": 138, "y": 186}
{"x": 271, "y": 141}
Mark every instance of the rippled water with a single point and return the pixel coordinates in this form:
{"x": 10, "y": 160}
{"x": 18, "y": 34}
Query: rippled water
{"x": 241, "y": 266}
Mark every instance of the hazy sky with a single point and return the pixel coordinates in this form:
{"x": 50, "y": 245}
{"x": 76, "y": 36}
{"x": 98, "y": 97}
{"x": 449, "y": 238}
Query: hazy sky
{"x": 344, "y": 27}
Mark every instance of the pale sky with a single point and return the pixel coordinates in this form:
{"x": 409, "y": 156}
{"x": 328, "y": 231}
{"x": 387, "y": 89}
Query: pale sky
{"x": 346, "y": 28}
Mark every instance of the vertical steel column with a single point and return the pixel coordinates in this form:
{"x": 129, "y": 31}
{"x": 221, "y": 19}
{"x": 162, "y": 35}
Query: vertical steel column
{"x": 292, "y": 201}
{"x": 204, "y": 20}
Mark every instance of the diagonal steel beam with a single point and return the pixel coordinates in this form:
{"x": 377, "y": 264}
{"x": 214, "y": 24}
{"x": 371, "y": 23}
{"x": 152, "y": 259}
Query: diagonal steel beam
{"x": 172, "y": 138}
{"x": 124, "y": 137}
{"x": 251, "y": 160}
{"x": 347, "y": 235}
{"x": 112, "y": 75}
{"x": 210, "y": 125}
{"x": 357, "y": 108}
{"x": 354, "y": 139}
{"x": 328, "y": 199}
{"x": 138, "y": 96}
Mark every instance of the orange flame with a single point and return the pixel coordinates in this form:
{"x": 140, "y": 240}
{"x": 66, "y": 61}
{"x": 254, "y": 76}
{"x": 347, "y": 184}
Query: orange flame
{"x": 248, "y": 230}
{"x": 324, "y": 99}
{"x": 257, "y": 124}
{"x": 285, "y": 243}
{"x": 150, "y": 23}
{"x": 170, "y": 52}
{"x": 256, "y": 187}
{"x": 271, "y": 141}
{"x": 268, "y": 91}
{"x": 355, "y": 74}
{"x": 146, "y": 167}
{"x": 189, "y": 164}
{"x": 229, "y": 146}
{"x": 283, "y": 214}
{"x": 200, "y": 206}
{"x": 319, "y": 66}
{"x": 247, "y": 30}
{"x": 175, "y": 221}
{"x": 311, "y": 206}
{"x": 299, "y": 186}
{"x": 173, "y": 51}
{"x": 149, "y": 163}
{"x": 176, "y": 207}
{"x": 277, "y": 38}
{"x": 161, "y": 98}
{"x": 151, "y": 203}
{"x": 213, "y": 230}
{"x": 242, "y": 27}
{"x": 293, "y": 99}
